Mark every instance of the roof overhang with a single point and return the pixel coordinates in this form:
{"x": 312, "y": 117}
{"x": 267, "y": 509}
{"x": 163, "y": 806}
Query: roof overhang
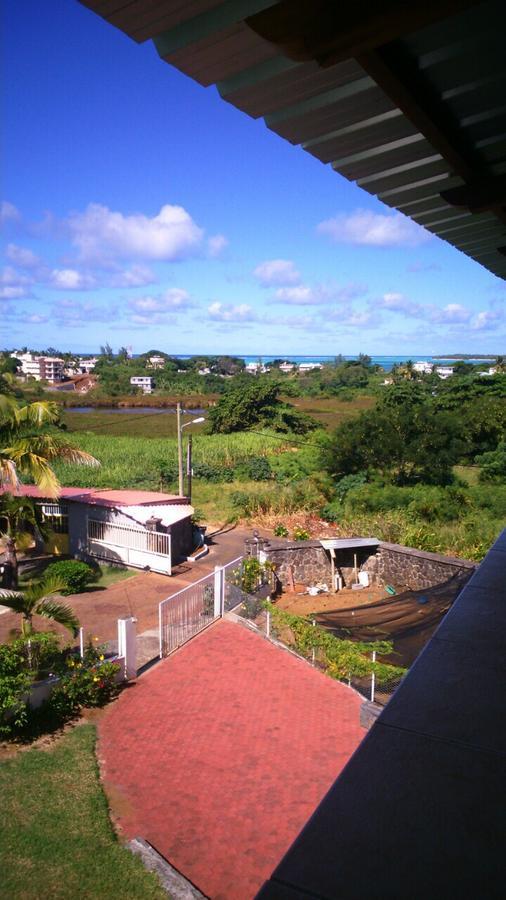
{"x": 405, "y": 99}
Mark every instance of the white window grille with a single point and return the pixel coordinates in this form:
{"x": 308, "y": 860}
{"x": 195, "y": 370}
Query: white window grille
{"x": 128, "y": 536}
{"x": 56, "y": 517}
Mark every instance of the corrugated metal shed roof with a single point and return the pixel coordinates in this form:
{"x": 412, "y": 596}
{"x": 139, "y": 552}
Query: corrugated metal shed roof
{"x": 169, "y": 514}
{"x": 405, "y": 99}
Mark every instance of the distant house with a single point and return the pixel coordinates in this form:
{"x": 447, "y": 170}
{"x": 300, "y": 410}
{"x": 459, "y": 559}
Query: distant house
{"x": 424, "y": 368}
{"x": 144, "y": 382}
{"x": 253, "y": 368}
{"x": 143, "y": 529}
{"x": 286, "y": 367}
{"x": 308, "y": 366}
{"x": 204, "y": 371}
{"x": 155, "y": 362}
{"x": 444, "y": 371}
{"x": 87, "y": 365}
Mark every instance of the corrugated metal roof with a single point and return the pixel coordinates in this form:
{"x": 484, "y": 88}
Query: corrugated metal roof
{"x": 407, "y": 100}
{"x": 168, "y": 514}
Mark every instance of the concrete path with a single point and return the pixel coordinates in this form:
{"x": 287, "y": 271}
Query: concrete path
{"x": 219, "y": 754}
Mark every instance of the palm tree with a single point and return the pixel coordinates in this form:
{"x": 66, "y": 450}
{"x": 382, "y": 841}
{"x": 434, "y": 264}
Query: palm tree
{"x": 36, "y": 600}
{"x": 27, "y": 448}
{"x": 15, "y": 514}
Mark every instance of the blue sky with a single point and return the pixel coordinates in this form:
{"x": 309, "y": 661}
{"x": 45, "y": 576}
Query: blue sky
{"x": 141, "y": 209}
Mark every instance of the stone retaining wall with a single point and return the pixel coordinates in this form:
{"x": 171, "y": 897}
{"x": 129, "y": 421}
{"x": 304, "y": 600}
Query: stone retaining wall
{"x": 309, "y": 563}
{"x": 416, "y": 569}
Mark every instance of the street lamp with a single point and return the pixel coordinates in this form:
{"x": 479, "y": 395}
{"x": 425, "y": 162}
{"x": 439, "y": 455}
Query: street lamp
{"x": 180, "y": 427}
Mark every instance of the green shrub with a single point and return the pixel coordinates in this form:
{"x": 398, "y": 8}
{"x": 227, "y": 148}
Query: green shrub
{"x": 300, "y": 534}
{"x": 76, "y": 575}
{"x": 493, "y": 464}
{"x": 84, "y": 682}
{"x": 256, "y": 468}
{"x": 280, "y": 530}
{"x": 14, "y": 683}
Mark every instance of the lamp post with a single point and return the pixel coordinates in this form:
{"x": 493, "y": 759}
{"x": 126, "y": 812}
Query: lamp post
{"x": 180, "y": 449}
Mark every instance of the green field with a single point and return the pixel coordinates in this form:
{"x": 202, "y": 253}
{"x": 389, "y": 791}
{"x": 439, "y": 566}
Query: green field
{"x": 56, "y": 837}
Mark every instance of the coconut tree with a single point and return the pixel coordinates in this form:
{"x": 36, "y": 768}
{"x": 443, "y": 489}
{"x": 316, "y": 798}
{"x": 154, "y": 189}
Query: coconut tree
{"x": 27, "y": 447}
{"x": 16, "y": 513}
{"x": 38, "y": 600}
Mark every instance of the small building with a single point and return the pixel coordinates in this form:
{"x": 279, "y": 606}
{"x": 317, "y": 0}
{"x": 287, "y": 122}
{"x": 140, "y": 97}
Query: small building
{"x": 286, "y": 367}
{"x": 142, "y": 529}
{"x": 424, "y": 368}
{"x": 444, "y": 371}
{"x": 144, "y": 382}
{"x": 86, "y": 366}
{"x": 309, "y": 366}
{"x": 155, "y": 362}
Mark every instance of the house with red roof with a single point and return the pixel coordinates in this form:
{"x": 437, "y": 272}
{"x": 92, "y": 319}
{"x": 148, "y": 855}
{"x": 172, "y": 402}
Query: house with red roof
{"x": 143, "y": 529}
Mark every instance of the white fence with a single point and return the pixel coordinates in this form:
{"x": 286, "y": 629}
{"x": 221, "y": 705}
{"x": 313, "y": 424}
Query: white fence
{"x": 133, "y": 546}
{"x": 190, "y": 610}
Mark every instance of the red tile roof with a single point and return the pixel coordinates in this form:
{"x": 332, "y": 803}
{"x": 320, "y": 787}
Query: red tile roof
{"x": 101, "y": 498}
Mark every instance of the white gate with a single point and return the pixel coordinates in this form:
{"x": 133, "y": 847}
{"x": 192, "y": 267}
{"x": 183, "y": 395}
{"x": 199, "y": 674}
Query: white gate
{"x": 193, "y": 608}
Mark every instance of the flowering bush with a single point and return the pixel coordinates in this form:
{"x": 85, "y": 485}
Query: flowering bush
{"x": 89, "y": 681}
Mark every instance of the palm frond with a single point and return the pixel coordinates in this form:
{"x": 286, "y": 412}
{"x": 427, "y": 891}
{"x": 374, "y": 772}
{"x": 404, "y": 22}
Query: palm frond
{"x": 8, "y": 472}
{"x": 58, "y": 612}
{"x": 35, "y": 466}
{"x": 14, "y": 600}
{"x": 38, "y": 413}
{"x": 39, "y": 590}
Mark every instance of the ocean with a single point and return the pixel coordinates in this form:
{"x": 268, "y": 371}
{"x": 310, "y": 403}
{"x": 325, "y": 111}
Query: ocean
{"x": 386, "y": 362}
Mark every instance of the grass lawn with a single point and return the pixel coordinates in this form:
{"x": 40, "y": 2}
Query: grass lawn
{"x": 56, "y": 839}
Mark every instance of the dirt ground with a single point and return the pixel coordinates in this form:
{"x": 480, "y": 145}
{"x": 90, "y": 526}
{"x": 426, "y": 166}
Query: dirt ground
{"x": 303, "y": 604}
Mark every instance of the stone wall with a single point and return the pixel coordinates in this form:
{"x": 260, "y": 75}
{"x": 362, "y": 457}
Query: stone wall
{"x": 391, "y": 564}
{"x": 310, "y": 562}
{"x": 416, "y": 569}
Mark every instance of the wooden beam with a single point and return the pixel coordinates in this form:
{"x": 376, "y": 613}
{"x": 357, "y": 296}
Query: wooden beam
{"x": 478, "y": 196}
{"x": 331, "y": 32}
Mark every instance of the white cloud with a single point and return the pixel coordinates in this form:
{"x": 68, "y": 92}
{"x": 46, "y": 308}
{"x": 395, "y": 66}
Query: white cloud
{"x": 224, "y": 312}
{"x": 34, "y": 319}
{"x": 22, "y": 256}
{"x": 453, "y": 312}
{"x": 135, "y": 276}
{"x": 14, "y": 285}
{"x": 396, "y": 302}
{"x": 320, "y": 294}
{"x": 216, "y": 245}
{"x": 70, "y": 280}
{"x": 486, "y": 320}
{"x": 102, "y": 234}
{"x": 276, "y": 272}
{"x": 171, "y": 300}
{"x": 365, "y": 227}
{"x": 74, "y": 314}
{"x": 8, "y": 213}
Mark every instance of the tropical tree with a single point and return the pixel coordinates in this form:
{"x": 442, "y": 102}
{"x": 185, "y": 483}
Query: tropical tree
{"x": 38, "y": 600}
{"x": 16, "y": 513}
{"x": 28, "y": 448}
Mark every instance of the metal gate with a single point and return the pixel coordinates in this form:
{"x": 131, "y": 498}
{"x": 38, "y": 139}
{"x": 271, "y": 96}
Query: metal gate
{"x": 193, "y": 608}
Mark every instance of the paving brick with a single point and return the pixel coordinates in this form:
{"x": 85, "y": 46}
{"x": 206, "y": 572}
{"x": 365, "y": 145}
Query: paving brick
{"x": 220, "y": 754}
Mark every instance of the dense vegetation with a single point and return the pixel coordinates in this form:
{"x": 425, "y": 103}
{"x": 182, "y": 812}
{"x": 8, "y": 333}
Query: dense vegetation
{"x": 413, "y": 459}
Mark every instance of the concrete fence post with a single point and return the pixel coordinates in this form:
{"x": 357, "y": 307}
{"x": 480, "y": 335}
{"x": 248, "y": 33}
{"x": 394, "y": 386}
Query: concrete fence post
{"x": 127, "y": 646}
{"x": 219, "y": 591}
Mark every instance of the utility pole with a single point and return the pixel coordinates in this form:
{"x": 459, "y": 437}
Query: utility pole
{"x": 189, "y": 468}
{"x": 180, "y": 451}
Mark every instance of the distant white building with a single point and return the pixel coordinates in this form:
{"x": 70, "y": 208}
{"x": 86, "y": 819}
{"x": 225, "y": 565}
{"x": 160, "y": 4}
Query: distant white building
{"x": 491, "y": 371}
{"x": 87, "y": 365}
{"x": 144, "y": 382}
{"x": 204, "y": 371}
{"x": 444, "y": 371}
{"x": 255, "y": 367}
{"x": 155, "y": 362}
{"x": 41, "y": 368}
{"x": 308, "y": 366}
{"x": 287, "y": 367}
{"x": 425, "y": 368}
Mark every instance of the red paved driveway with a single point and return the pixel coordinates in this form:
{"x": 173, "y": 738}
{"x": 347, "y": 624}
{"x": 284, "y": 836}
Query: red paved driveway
{"x": 219, "y": 754}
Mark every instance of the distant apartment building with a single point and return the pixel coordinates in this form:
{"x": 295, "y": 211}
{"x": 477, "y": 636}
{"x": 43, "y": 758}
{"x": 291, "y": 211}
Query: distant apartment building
{"x": 144, "y": 382}
{"x": 41, "y": 368}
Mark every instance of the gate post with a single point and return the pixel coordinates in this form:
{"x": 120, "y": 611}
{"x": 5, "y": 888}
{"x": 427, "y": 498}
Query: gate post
{"x": 219, "y": 591}
{"x": 127, "y": 645}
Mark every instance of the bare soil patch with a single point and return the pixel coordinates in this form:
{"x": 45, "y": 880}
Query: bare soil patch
{"x": 303, "y": 604}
